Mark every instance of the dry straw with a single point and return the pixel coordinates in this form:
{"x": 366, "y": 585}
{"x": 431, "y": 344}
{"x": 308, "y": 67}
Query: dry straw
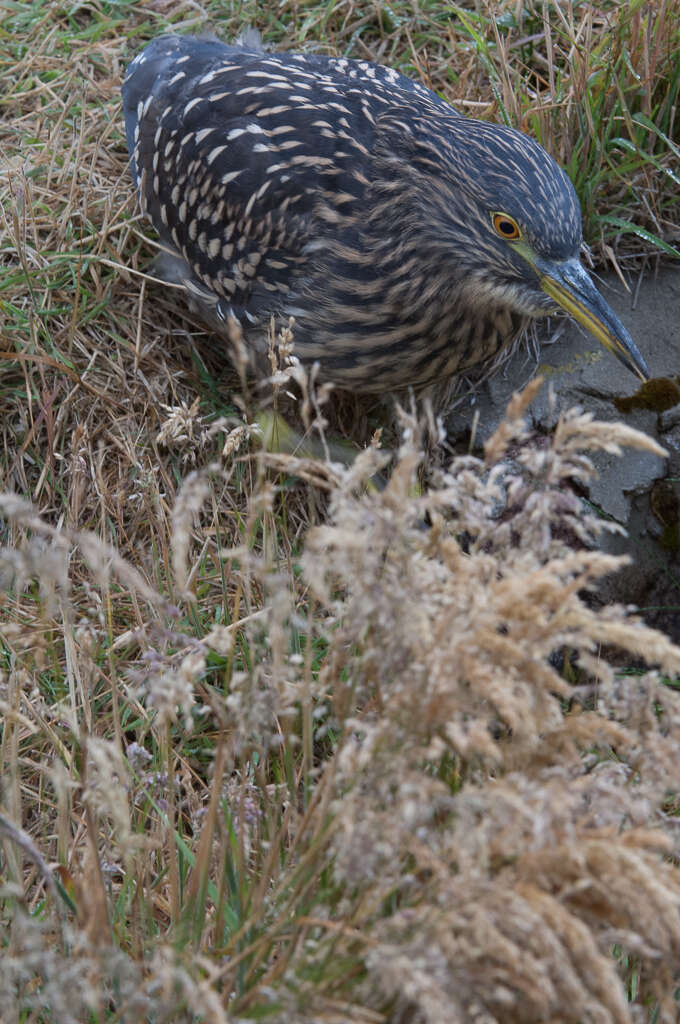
{"x": 474, "y": 833}
{"x": 399, "y": 777}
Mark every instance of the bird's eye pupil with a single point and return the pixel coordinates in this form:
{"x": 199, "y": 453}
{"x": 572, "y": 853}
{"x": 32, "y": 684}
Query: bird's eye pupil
{"x": 506, "y": 227}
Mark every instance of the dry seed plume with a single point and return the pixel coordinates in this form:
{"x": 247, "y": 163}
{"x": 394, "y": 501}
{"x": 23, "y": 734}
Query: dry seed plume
{"x": 409, "y": 243}
{"x": 490, "y": 831}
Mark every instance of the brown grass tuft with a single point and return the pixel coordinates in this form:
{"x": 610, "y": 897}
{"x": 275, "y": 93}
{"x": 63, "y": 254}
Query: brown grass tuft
{"x": 364, "y": 757}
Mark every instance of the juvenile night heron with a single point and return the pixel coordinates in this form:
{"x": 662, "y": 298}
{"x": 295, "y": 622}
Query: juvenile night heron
{"x": 409, "y": 243}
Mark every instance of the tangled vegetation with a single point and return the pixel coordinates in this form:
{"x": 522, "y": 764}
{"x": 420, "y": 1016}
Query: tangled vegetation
{"x": 302, "y": 737}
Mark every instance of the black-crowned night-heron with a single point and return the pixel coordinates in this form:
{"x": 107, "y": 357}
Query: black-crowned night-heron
{"x": 409, "y": 243}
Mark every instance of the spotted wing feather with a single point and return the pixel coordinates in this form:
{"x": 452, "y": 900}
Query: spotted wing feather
{"x": 240, "y": 157}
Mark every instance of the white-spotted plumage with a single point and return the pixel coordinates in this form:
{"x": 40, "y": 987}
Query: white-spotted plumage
{"x": 345, "y": 194}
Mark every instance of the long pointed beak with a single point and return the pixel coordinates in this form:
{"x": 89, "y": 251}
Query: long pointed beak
{"x": 572, "y": 289}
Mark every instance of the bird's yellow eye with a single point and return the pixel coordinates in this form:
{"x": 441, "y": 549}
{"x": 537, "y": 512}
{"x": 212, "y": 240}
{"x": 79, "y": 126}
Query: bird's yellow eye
{"x": 505, "y": 226}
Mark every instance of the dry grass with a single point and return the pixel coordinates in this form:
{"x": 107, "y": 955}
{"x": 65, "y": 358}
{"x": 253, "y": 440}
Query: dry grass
{"x": 255, "y": 759}
{"x": 362, "y": 791}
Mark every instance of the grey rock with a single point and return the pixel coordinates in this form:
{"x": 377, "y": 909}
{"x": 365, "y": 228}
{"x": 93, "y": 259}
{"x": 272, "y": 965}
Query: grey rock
{"x": 580, "y": 372}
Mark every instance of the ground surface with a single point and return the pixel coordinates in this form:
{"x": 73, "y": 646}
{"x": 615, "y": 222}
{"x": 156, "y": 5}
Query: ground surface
{"x": 269, "y": 749}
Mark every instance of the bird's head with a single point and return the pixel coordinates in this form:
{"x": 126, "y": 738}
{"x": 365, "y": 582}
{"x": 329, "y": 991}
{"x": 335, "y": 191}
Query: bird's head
{"x": 514, "y": 226}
